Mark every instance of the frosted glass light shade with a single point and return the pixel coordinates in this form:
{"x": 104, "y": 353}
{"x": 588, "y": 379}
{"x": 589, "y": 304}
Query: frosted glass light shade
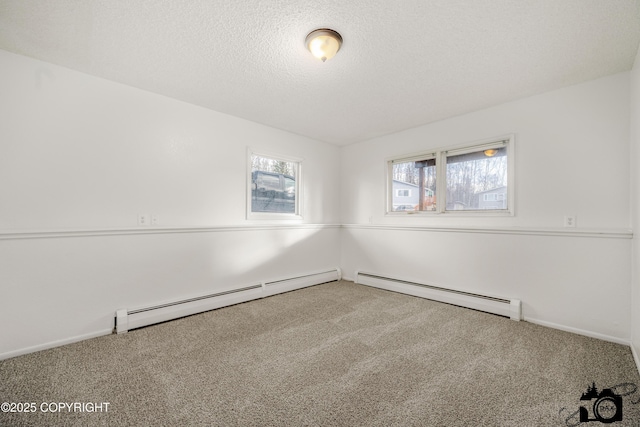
{"x": 323, "y": 43}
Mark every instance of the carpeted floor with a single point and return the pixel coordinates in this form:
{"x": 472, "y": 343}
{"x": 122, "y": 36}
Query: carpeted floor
{"x": 337, "y": 354}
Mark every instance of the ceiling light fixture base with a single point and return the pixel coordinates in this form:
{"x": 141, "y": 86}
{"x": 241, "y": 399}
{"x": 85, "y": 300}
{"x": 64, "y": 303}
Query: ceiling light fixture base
{"x": 323, "y": 43}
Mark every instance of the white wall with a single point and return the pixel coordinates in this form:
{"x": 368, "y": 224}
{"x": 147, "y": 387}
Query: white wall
{"x": 635, "y": 198}
{"x": 82, "y": 153}
{"x": 572, "y": 157}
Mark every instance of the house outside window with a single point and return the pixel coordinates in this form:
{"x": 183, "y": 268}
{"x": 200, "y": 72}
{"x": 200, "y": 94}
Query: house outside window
{"x": 496, "y": 198}
{"x": 408, "y": 177}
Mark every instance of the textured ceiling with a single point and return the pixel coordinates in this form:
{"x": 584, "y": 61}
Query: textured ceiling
{"x": 402, "y": 64}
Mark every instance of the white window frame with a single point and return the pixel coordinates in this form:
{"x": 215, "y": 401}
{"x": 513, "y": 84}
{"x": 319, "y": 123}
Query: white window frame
{"x": 429, "y": 155}
{"x": 440, "y": 154}
{"x": 403, "y": 189}
{"x": 297, "y": 214}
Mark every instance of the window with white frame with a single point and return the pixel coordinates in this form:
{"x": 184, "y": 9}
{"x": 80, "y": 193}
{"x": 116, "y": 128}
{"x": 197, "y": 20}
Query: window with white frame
{"x": 414, "y": 173}
{"x": 473, "y": 178}
{"x": 274, "y": 187}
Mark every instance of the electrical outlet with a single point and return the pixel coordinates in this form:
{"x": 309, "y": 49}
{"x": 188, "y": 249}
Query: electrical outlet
{"x": 570, "y": 221}
{"x": 143, "y": 219}
{"x": 155, "y": 219}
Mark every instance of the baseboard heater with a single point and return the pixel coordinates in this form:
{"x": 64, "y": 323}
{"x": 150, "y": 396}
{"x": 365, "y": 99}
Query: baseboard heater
{"x": 511, "y": 308}
{"x": 128, "y": 319}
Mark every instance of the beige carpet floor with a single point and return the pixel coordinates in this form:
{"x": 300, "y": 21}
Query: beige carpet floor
{"x": 337, "y": 354}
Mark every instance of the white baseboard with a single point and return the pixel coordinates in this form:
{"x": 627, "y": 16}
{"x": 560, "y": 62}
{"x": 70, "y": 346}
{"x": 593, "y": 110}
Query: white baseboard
{"x": 52, "y": 344}
{"x": 132, "y": 318}
{"x": 635, "y": 356}
{"x": 583, "y": 332}
{"x": 578, "y": 331}
{"x": 196, "y": 305}
{"x": 490, "y": 304}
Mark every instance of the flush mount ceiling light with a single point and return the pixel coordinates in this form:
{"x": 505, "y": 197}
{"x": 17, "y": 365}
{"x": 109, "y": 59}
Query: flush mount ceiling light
{"x": 323, "y": 43}
{"x": 490, "y": 153}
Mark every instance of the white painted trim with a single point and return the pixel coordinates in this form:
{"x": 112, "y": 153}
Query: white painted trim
{"x": 125, "y": 322}
{"x": 45, "y": 234}
{"x": 411, "y": 281}
{"x": 488, "y": 303}
{"x": 577, "y": 331}
{"x": 133, "y": 318}
{"x": 527, "y": 231}
{"x": 278, "y": 286}
{"x": 567, "y": 329}
{"x": 53, "y": 344}
{"x": 636, "y": 358}
{"x": 136, "y": 317}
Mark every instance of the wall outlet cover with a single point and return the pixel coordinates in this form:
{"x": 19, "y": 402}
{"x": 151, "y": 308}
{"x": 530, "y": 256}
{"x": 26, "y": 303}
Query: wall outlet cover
{"x": 143, "y": 219}
{"x": 570, "y": 221}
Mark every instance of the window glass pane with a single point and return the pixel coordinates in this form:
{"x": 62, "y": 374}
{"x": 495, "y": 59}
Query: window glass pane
{"x": 273, "y": 185}
{"x": 477, "y": 180}
{"x": 408, "y": 179}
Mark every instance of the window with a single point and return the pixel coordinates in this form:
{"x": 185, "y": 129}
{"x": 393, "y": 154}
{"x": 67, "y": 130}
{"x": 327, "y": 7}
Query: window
{"x": 471, "y": 174}
{"x": 473, "y": 178}
{"x": 417, "y": 174}
{"x": 273, "y": 187}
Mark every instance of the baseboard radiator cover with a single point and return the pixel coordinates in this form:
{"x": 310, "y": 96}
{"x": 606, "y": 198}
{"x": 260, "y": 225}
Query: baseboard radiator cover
{"x": 277, "y": 286}
{"x": 511, "y": 308}
{"x": 129, "y": 319}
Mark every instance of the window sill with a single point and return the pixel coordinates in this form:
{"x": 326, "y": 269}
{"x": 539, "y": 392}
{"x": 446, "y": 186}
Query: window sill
{"x": 273, "y": 217}
{"x": 451, "y": 214}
